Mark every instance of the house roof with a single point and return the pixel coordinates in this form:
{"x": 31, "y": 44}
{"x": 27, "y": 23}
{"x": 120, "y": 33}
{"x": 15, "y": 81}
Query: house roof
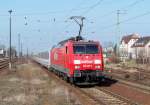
{"x": 141, "y": 42}
{"x": 127, "y": 38}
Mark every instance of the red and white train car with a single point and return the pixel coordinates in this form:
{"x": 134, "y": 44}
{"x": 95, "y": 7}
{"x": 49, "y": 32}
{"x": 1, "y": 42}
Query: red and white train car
{"x": 78, "y": 61}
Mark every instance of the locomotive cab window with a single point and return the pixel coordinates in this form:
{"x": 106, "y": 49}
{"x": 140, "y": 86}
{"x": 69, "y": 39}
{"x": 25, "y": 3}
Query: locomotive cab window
{"x": 78, "y": 49}
{"x": 86, "y": 49}
{"x": 91, "y": 49}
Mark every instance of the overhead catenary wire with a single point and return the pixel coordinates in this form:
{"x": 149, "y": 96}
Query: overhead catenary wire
{"x": 92, "y": 7}
{"x": 45, "y": 13}
{"x": 128, "y": 6}
{"x": 135, "y": 17}
{"x": 51, "y": 12}
{"x": 76, "y": 8}
{"x": 123, "y": 8}
{"x": 89, "y": 9}
{"x": 67, "y": 15}
{"x": 127, "y": 20}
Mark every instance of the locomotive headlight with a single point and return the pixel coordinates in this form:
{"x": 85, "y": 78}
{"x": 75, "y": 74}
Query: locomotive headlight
{"x": 77, "y": 67}
{"x": 97, "y": 67}
{"x": 77, "y": 62}
{"x": 97, "y": 62}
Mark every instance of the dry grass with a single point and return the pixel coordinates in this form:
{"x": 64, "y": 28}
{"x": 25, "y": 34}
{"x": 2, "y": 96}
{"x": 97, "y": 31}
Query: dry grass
{"x": 29, "y": 85}
{"x": 128, "y": 64}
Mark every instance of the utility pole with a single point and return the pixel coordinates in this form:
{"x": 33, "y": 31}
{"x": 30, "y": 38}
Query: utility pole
{"x": 79, "y": 21}
{"x": 21, "y": 54}
{"x": 21, "y": 49}
{"x": 27, "y": 52}
{"x": 119, "y": 12}
{"x": 19, "y": 46}
{"x": 10, "y": 11}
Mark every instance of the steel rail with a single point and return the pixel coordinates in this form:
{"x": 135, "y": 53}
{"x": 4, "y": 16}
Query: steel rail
{"x": 4, "y": 63}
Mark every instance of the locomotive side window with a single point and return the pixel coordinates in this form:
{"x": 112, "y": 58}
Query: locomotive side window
{"x": 66, "y": 50}
{"x": 86, "y": 49}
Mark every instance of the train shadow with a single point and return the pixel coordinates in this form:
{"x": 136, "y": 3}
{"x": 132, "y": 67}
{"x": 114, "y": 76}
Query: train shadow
{"x": 106, "y": 83}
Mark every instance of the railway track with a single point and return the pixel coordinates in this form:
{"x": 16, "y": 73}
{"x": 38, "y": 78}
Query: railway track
{"x": 4, "y": 63}
{"x": 105, "y": 97}
{"x": 140, "y": 76}
{"x": 115, "y": 99}
{"x": 136, "y": 84}
{"x": 141, "y": 73}
{"x": 144, "y": 72}
{"x": 83, "y": 98}
{"x": 93, "y": 95}
{"x": 101, "y": 96}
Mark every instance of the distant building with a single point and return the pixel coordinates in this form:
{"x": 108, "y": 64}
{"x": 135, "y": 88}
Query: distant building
{"x": 142, "y": 47}
{"x": 2, "y": 53}
{"x": 125, "y": 48}
{"x": 107, "y": 53}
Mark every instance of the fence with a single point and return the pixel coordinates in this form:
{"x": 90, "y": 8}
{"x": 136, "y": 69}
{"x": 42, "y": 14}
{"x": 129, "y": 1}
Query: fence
{"x": 4, "y": 63}
{"x": 143, "y": 60}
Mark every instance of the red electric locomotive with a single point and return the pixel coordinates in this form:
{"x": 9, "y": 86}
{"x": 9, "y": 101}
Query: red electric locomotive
{"x": 78, "y": 61}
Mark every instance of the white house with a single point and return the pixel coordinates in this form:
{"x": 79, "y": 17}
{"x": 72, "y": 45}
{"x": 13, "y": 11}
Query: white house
{"x": 142, "y": 47}
{"x": 125, "y": 48}
{"x": 2, "y": 53}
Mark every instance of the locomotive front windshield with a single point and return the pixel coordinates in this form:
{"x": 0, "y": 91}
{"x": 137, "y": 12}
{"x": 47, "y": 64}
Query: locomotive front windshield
{"x": 85, "y": 49}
